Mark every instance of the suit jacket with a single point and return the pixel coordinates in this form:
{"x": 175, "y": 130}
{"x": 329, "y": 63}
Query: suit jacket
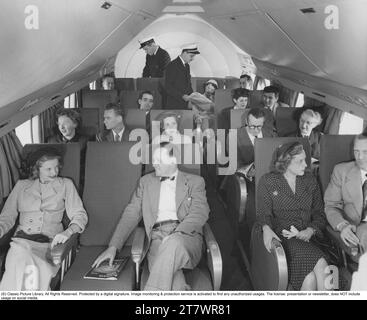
{"x": 191, "y": 204}
{"x": 156, "y": 64}
{"x": 343, "y": 197}
{"x": 314, "y": 140}
{"x": 107, "y": 136}
{"x": 177, "y": 82}
{"x": 245, "y": 149}
{"x": 42, "y": 212}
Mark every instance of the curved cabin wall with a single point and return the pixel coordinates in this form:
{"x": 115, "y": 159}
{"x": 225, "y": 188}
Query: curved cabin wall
{"x": 218, "y": 54}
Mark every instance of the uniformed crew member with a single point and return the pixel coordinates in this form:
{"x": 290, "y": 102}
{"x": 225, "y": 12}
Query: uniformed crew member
{"x": 157, "y": 59}
{"x": 178, "y": 79}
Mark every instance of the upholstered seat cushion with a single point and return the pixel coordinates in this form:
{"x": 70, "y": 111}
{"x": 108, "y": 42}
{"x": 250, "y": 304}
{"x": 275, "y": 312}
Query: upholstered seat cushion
{"x": 74, "y": 280}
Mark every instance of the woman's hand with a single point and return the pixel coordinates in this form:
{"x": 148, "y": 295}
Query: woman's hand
{"x": 61, "y": 237}
{"x": 306, "y": 234}
{"x": 268, "y": 236}
{"x": 109, "y": 254}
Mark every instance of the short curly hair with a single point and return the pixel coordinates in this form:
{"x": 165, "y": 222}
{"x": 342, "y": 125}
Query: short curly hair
{"x": 284, "y": 154}
{"x": 169, "y": 114}
{"x": 72, "y": 114}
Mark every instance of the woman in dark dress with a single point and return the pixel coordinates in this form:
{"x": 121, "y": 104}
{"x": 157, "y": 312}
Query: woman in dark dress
{"x": 290, "y": 209}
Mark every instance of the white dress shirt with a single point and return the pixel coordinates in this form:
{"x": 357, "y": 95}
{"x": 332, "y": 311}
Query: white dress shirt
{"x": 118, "y": 136}
{"x": 252, "y": 138}
{"x": 167, "y": 200}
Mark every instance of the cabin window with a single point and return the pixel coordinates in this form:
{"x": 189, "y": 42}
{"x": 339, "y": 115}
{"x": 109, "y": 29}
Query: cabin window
{"x": 70, "y": 101}
{"x": 262, "y": 83}
{"x": 350, "y": 124}
{"x": 93, "y": 85}
{"x": 300, "y": 100}
{"x": 28, "y": 132}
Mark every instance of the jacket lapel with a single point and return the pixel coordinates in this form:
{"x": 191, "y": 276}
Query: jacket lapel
{"x": 181, "y": 189}
{"x": 353, "y": 185}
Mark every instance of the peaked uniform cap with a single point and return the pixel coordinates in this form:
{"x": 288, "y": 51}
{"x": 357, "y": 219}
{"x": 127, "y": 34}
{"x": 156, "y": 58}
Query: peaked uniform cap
{"x": 190, "y": 48}
{"x": 144, "y": 42}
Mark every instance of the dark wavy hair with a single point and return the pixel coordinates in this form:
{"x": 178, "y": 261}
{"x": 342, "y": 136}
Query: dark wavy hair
{"x": 168, "y": 114}
{"x": 283, "y": 156}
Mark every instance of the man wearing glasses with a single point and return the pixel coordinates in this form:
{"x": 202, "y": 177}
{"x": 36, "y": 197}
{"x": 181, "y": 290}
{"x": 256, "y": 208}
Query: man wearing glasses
{"x": 253, "y": 128}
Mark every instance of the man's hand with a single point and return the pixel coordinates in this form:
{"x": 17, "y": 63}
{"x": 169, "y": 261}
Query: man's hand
{"x": 108, "y": 254}
{"x": 251, "y": 172}
{"x": 186, "y": 97}
{"x": 348, "y": 235}
{"x": 61, "y": 237}
{"x": 305, "y": 235}
{"x": 268, "y": 236}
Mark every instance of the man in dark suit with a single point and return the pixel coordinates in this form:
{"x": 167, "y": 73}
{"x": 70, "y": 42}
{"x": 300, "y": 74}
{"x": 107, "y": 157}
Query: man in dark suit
{"x": 177, "y": 78}
{"x": 157, "y": 59}
{"x": 253, "y": 128}
{"x": 116, "y": 131}
{"x": 174, "y": 209}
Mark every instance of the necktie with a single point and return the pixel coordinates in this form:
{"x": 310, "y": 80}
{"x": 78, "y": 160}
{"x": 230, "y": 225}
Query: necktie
{"x": 117, "y": 138}
{"x": 166, "y": 178}
{"x": 364, "y": 192}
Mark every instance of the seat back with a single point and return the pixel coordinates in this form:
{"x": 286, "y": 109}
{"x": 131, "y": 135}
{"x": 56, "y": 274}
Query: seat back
{"x": 232, "y": 83}
{"x": 186, "y": 118}
{"x": 265, "y": 147}
{"x": 238, "y": 117}
{"x": 129, "y": 99}
{"x": 286, "y": 121}
{"x": 151, "y": 84}
{"x": 223, "y": 99}
{"x": 71, "y": 158}
{"x": 91, "y": 121}
{"x": 98, "y": 98}
{"x": 110, "y": 180}
{"x": 334, "y": 149}
{"x": 255, "y": 100}
{"x": 125, "y": 84}
{"x": 135, "y": 118}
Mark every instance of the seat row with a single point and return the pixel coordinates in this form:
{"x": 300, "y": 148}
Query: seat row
{"x": 110, "y": 180}
{"x": 268, "y": 271}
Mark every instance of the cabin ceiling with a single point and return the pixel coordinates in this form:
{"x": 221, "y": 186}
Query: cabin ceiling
{"x": 74, "y": 36}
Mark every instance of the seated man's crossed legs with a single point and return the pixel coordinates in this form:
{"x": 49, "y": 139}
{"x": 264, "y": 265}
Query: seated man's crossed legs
{"x": 168, "y": 254}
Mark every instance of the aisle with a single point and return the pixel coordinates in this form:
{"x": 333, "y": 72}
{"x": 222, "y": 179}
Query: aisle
{"x": 234, "y": 276}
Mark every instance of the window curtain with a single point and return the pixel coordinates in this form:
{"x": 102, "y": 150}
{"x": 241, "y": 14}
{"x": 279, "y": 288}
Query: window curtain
{"x": 10, "y": 163}
{"x": 332, "y": 120}
{"x": 47, "y": 121}
{"x": 286, "y": 95}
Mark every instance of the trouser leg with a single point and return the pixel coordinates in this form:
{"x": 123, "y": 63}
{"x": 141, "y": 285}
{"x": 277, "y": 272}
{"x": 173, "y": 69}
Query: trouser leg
{"x": 167, "y": 258}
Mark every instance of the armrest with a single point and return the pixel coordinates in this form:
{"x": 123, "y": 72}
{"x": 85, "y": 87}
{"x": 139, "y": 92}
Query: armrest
{"x": 269, "y": 271}
{"x": 242, "y": 184}
{"x": 137, "y": 247}
{"x": 335, "y": 237}
{"x": 60, "y": 251}
{"x": 214, "y": 257}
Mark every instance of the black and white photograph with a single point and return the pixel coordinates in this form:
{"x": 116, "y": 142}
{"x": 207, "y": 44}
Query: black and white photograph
{"x": 203, "y": 150}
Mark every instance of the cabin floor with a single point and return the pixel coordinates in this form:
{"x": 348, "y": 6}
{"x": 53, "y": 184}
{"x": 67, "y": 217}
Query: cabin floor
{"x": 235, "y": 276}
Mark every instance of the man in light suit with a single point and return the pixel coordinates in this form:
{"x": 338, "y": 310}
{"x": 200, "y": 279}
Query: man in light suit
{"x": 174, "y": 209}
{"x": 116, "y": 131}
{"x": 344, "y": 203}
{"x": 177, "y": 79}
